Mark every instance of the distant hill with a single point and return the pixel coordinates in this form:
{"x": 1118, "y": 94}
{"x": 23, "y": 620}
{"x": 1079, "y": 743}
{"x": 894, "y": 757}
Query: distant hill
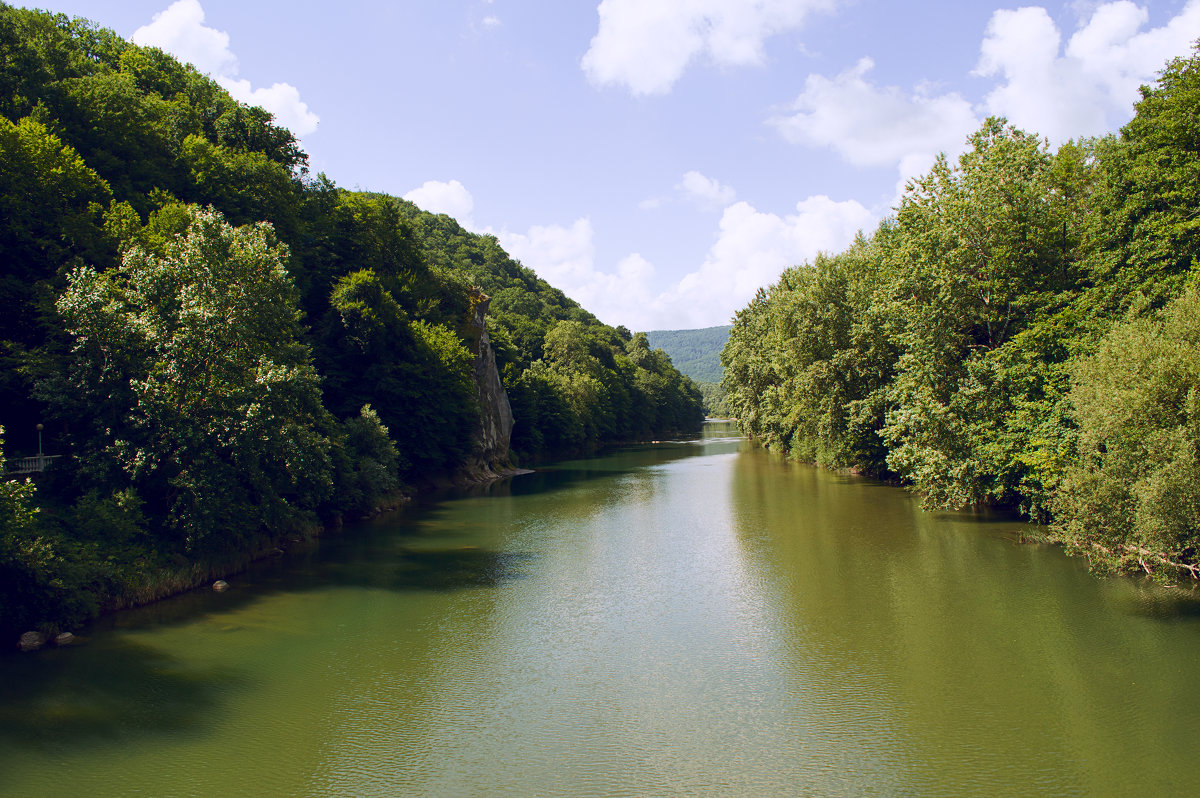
{"x": 697, "y": 353}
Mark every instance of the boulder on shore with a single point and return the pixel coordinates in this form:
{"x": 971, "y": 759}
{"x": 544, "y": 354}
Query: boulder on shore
{"x": 31, "y": 641}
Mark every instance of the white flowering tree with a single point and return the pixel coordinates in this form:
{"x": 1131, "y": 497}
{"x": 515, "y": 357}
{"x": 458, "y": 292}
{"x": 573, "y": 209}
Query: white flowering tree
{"x": 189, "y": 382}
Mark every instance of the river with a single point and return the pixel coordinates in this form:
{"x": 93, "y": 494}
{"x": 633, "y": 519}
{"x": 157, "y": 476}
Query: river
{"x": 686, "y": 618}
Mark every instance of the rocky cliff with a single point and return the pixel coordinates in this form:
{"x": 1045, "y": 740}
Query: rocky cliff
{"x": 490, "y": 457}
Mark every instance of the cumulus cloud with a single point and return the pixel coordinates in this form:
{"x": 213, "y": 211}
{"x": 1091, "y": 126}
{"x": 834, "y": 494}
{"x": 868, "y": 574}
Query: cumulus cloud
{"x": 281, "y": 99}
{"x": 1089, "y": 86}
{"x": 450, "y": 198}
{"x": 704, "y": 190}
{"x": 752, "y": 249}
{"x": 180, "y": 31}
{"x": 565, "y": 257}
{"x": 646, "y": 47}
{"x": 1086, "y": 88}
{"x": 871, "y": 125}
{"x": 697, "y": 189}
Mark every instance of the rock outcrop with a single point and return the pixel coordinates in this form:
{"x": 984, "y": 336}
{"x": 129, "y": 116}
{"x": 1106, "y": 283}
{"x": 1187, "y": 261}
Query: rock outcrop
{"x": 490, "y": 456}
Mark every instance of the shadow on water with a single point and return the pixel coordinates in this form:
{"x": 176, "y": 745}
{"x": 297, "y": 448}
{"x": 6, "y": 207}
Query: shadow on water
{"x": 378, "y": 557}
{"x": 614, "y": 463}
{"x": 1177, "y": 604}
{"x": 58, "y": 700}
{"x": 396, "y": 551}
{"x": 610, "y": 463}
{"x": 114, "y": 690}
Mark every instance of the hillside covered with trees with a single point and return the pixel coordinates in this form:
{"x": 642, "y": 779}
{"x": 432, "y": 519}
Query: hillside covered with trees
{"x": 1023, "y": 332}
{"x": 226, "y": 350}
{"x": 696, "y": 353}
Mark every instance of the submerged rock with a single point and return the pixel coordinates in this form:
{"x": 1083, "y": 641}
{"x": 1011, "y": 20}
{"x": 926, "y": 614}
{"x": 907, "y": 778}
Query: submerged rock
{"x": 220, "y": 585}
{"x": 64, "y": 639}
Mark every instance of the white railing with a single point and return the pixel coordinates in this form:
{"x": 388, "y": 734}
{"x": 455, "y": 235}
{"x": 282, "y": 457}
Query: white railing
{"x": 30, "y": 465}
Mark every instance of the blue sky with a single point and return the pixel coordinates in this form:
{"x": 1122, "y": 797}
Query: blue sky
{"x": 659, "y": 160}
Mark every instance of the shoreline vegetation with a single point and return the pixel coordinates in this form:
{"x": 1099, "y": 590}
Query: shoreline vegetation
{"x": 1023, "y": 332}
{"x": 226, "y": 353}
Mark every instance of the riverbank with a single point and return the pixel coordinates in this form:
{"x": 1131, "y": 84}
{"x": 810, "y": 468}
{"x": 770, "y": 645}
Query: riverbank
{"x": 144, "y": 582}
{"x": 94, "y": 589}
{"x": 111, "y": 587}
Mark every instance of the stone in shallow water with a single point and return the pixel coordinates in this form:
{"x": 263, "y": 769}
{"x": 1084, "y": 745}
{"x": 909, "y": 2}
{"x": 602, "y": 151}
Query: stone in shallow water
{"x": 220, "y": 585}
{"x": 64, "y": 639}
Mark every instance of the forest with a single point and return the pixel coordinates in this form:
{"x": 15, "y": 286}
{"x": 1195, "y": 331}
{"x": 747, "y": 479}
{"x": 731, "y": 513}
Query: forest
{"x": 1023, "y": 332}
{"x": 224, "y": 352}
{"x": 697, "y": 353}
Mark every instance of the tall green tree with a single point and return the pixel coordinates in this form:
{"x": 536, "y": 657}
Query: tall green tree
{"x": 51, "y": 218}
{"x": 980, "y": 259}
{"x": 188, "y": 381}
{"x": 416, "y": 374}
{"x": 1143, "y": 234}
{"x": 1132, "y": 498}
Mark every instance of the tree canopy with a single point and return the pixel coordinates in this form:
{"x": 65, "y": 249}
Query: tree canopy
{"x": 1020, "y": 333}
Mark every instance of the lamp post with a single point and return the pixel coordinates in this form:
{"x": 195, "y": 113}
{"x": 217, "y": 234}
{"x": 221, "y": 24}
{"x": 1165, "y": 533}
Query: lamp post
{"x": 41, "y": 461}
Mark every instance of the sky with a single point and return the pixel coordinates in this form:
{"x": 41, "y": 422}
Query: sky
{"x": 661, "y": 160}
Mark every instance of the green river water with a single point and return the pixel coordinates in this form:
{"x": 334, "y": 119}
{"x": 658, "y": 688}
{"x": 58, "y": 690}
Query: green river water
{"x": 685, "y": 618}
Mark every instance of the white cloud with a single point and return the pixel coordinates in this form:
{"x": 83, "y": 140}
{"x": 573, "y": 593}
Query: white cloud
{"x": 751, "y": 251}
{"x": 565, "y": 256}
{"x": 1085, "y": 89}
{"x": 704, "y": 190}
{"x": 870, "y": 125}
{"x": 282, "y": 100}
{"x": 491, "y": 22}
{"x": 1093, "y": 83}
{"x": 697, "y": 189}
{"x": 450, "y": 198}
{"x": 180, "y": 31}
{"x": 647, "y": 46}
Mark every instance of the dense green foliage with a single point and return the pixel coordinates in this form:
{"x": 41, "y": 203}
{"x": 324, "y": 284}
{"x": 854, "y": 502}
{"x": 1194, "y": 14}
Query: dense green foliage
{"x": 715, "y": 398}
{"x": 1134, "y": 491}
{"x": 696, "y": 353}
{"x": 1020, "y": 333}
{"x": 573, "y": 382}
{"x": 227, "y": 350}
{"x": 188, "y": 384}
